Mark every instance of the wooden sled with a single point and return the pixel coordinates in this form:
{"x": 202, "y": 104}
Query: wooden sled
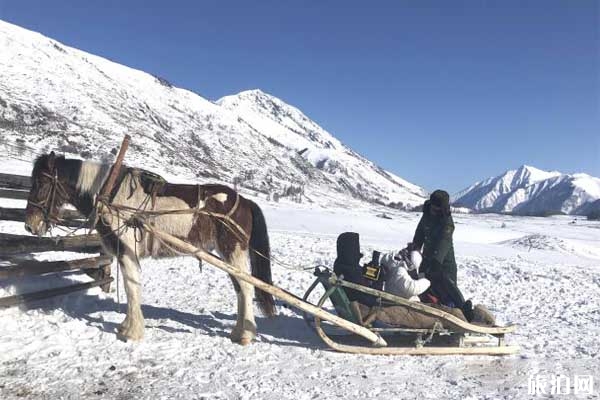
{"x": 376, "y": 343}
{"x": 457, "y": 336}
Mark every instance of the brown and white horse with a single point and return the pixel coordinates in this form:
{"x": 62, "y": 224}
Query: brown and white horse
{"x": 57, "y": 180}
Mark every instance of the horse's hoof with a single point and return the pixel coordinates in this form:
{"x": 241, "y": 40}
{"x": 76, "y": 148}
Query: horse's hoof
{"x": 244, "y": 340}
{"x": 129, "y": 333}
{"x": 123, "y": 325}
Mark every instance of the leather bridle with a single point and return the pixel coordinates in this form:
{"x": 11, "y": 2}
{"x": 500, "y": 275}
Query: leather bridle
{"x": 47, "y": 205}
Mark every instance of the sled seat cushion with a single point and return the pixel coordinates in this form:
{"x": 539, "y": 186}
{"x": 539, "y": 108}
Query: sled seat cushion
{"x": 402, "y": 317}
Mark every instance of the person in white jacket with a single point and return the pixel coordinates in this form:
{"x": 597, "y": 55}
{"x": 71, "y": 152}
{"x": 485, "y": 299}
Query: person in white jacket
{"x": 398, "y": 281}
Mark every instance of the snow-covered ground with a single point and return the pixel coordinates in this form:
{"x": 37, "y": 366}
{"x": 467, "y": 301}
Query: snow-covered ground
{"x": 542, "y": 273}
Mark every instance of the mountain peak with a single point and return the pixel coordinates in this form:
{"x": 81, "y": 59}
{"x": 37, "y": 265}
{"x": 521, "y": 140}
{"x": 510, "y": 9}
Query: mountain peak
{"x": 252, "y": 138}
{"x": 531, "y": 168}
{"x": 253, "y": 92}
{"x": 529, "y": 190}
{"x": 283, "y": 122}
{"x": 251, "y": 95}
{"x": 526, "y": 175}
{"x": 526, "y": 167}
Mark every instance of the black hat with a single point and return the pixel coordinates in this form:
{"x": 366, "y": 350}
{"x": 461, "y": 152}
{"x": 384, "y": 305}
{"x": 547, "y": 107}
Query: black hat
{"x": 440, "y": 198}
{"x": 348, "y": 248}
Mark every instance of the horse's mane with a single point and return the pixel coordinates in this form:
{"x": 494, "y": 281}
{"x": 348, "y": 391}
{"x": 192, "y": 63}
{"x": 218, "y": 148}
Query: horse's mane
{"x": 41, "y": 163}
{"x": 87, "y": 176}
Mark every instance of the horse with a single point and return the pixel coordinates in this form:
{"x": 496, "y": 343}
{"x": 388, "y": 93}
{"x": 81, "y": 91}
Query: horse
{"x": 218, "y": 220}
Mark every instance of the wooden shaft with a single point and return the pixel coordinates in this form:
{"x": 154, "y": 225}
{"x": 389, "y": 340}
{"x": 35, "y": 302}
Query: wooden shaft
{"x": 273, "y": 290}
{"x": 33, "y": 267}
{"x": 110, "y": 182}
{"x": 44, "y": 294}
{"x": 20, "y": 244}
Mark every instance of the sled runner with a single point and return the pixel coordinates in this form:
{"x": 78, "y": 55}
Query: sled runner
{"x": 446, "y": 336}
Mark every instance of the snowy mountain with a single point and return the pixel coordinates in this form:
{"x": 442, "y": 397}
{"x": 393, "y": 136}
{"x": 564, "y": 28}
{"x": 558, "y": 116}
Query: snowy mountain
{"x": 53, "y": 97}
{"x": 531, "y": 191}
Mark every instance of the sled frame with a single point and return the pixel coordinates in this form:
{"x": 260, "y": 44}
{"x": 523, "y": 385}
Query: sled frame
{"x": 470, "y": 338}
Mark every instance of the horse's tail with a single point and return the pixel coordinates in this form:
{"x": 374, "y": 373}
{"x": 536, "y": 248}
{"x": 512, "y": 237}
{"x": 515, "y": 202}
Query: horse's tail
{"x": 260, "y": 260}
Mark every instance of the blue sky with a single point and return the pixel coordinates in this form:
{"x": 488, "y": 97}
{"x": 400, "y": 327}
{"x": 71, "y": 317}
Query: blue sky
{"x": 442, "y": 93}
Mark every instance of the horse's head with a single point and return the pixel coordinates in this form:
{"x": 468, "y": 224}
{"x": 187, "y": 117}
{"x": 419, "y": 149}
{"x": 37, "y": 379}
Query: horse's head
{"x": 49, "y": 191}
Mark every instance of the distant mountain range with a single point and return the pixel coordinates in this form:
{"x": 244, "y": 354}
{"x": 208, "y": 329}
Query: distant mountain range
{"x": 54, "y": 97}
{"x": 531, "y": 191}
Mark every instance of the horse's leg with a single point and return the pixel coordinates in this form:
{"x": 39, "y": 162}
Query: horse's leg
{"x": 236, "y": 333}
{"x": 245, "y": 328}
{"x": 133, "y": 325}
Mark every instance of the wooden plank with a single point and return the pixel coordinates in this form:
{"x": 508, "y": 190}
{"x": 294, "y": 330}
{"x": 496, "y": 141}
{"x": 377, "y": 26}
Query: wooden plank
{"x": 33, "y": 267}
{"x": 27, "y": 298}
{"x": 70, "y": 218}
{"x": 15, "y": 181}
{"x": 20, "y": 244}
{"x": 14, "y": 194}
{"x": 105, "y": 274}
{"x": 12, "y": 214}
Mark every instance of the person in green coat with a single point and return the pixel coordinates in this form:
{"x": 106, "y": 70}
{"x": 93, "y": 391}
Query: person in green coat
{"x": 433, "y": 238}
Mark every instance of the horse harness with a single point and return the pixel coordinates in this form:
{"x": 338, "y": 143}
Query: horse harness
{"x": 153, "y": 185}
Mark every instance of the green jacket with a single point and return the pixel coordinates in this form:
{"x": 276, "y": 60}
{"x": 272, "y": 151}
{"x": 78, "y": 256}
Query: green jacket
{"x": 434, "y": 234}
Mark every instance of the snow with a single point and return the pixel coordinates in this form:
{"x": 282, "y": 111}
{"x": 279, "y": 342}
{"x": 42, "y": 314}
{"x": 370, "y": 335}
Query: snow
{"x": 66, "y": 347}
{"x": 15, "y": 167}
{"x": 588, "y": 184}
{"x": 280, "y": 121}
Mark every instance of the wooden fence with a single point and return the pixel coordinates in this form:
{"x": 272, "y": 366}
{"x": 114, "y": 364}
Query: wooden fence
{"x": 15, "y": 250}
